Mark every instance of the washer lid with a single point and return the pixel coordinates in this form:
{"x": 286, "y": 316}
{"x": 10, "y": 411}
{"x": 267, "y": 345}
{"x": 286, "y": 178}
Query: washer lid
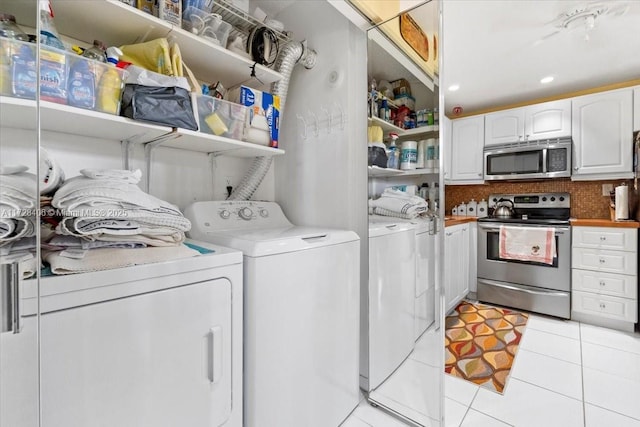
{"x": 273, "y": 241}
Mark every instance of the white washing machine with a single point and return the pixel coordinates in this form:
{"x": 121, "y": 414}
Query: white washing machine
{"x": 151, "y": 345}
{"x": 392, "y": 289}
{"x": 301, "y": 307}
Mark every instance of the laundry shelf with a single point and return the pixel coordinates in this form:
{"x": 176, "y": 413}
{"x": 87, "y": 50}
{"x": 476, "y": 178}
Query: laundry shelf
{"x": 206, "y": 143}
{"x": 118, "y": 24}
{"x": 21, "y": 114}
{"x": 375, "y": 171}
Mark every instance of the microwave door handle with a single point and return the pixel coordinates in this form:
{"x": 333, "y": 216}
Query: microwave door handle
{"x": 545, "y": 168}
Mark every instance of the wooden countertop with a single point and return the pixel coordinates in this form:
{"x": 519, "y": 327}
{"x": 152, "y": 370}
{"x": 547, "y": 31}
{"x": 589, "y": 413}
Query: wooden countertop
{"x": 457, "y": 220}
{"x": 599, "y": 222}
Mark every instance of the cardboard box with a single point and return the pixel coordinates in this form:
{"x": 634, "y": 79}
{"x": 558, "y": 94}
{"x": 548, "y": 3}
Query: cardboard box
{"x": 170, "y": 11}
{"x": 260, "y": 103}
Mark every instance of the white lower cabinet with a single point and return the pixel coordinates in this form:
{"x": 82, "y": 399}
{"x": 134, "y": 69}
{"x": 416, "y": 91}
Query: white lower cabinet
{"x": 456, "y": 264}
{"x": 604, "y": 281}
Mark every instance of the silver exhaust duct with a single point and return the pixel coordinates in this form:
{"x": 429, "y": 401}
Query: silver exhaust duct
{"x": 290, "y": 55}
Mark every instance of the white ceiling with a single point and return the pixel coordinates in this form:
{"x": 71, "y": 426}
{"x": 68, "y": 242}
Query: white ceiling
{"x": 494, "y": 50}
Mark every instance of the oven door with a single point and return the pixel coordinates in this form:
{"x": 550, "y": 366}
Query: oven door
{"x": 556, "y": 276}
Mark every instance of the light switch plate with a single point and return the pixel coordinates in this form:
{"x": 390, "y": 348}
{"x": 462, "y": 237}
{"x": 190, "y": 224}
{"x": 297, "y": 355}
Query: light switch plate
{"x": 607, "y": 189}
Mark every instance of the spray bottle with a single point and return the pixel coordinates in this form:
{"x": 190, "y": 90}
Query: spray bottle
{"x": 48, "y": 33}
{"x": 110, "y": 86}
{"x": 393, "y": 154}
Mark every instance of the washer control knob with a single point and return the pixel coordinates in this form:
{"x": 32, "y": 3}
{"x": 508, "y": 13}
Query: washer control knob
{"x": 225, "y": 214}
{"x": 245, "y": 213}
{"x": 264, "y": 213}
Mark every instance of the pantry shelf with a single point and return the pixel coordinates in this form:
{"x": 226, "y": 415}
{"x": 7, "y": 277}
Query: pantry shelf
{"x": 21, "y": 114}
{"x": 122, "y": 24}
{"x": 375, "y": 171}
{"x": 388, "y": 127}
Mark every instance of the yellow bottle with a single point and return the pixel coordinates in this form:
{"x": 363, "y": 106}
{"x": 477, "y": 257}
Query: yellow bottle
{"x": 110, "y": 87}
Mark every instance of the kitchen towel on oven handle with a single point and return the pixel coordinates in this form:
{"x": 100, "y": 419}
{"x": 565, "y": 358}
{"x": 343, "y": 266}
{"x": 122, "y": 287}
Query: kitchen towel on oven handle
{"x": 534, "y": 244}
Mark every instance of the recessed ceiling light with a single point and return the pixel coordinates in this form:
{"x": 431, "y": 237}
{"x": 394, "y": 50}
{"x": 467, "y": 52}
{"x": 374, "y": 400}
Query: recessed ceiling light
{"x": 547, "y": 79}
{"x": 454, "y": 88}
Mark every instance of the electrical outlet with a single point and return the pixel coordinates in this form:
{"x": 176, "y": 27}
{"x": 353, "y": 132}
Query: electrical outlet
{"x": 607, "y": 189}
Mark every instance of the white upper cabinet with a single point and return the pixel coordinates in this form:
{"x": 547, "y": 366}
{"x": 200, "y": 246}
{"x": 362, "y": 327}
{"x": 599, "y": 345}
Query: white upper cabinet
{"x": 540, "y": 121}
{"x": 603, "y": 135}
{"x": 504, "y": 127}
{"x": 467, "y": 143}
{"x": 548, "y": 120}
{"x": 636, "y": 108}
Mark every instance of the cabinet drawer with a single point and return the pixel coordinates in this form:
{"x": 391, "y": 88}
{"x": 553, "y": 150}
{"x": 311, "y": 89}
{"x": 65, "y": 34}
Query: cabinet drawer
{"x": 622, "y": 239}
{"x": 604, "y": 306}
{"x": 600, "y": 260}
{"x": 617, "y": 285}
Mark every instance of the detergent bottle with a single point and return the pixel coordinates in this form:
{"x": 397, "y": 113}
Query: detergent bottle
{"x": 110, "y": 86}
{"x": 48, "y": 33}
{"x": 81, "y": 85}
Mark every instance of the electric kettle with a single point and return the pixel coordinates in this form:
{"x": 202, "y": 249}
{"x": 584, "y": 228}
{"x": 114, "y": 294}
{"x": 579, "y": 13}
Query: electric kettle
{"x": 502, "y": 210}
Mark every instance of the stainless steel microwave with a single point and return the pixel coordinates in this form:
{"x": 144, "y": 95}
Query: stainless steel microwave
{"x": 528, "y": 160}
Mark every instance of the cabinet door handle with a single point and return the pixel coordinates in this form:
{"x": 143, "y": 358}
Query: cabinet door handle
{"x": 602, "y": 261}
{"x": 214, "y": 354}
{"x": 602, "y": 305}
{"x": 603, "y": 238}
{"x": 10, "y": 298}
{"x": 602, "y": 283}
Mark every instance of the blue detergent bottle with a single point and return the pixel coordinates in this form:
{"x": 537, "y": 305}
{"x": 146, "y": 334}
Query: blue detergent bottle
{"x": 81, "y": 85}
{"x": 23, "y": 73}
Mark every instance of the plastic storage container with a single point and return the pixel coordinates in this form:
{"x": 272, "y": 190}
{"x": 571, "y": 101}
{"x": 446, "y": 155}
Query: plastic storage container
{"x": 207, "y": 25}
{"x": 65, "y": 77}
{"x": 222, "y": 118}
{"x": 408, "y": 155}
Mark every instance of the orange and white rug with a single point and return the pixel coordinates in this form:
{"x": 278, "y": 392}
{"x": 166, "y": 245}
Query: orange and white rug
{"x": 481, "y": 343}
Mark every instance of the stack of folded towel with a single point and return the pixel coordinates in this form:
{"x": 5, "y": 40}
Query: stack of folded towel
{"x": 398, "y": 204}
{"x": 109, "y": 222}
{"x": 18, "y": 204}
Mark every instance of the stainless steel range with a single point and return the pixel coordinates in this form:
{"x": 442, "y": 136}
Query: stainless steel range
{"x": 528, "y": 285}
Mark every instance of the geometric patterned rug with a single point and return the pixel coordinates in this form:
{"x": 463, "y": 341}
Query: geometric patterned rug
{"x": 481, "y": 342}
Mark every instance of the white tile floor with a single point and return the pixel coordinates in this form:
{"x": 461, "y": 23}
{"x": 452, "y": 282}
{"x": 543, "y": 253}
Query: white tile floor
{"x": 565, "y": 374}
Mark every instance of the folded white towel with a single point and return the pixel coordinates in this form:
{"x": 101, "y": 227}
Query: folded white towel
{"x": 83, "y": 191}
{"x": 108, "y": 258}
{"x": 386, "y": 212}
{"x": 12, "y": 229}
{"x": 51, "y": 174}
{"x": 74, "y": 242}
{"x": 534, "y": 244}
{"x": 400, "y": 203}
{"x": 132, "y": 177}
{"x": 18, "y": 192}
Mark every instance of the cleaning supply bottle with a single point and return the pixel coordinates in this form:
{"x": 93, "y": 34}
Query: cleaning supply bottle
{"x": 96, "y": 52}
{"x": 23, "y": 73}
{"x": 48, "y": 33}
{"x": 81, "y": 85}
{"x": 393, "y": 155}
{"x": 110, "y": 86}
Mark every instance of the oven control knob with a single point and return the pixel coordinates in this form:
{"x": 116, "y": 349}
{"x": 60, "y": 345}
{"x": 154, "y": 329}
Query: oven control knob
{"x": 544, "y": 199}
{"x": 553, "y": 199}
{"x": 245, "y": 213}
{"x": 562, "y": 198}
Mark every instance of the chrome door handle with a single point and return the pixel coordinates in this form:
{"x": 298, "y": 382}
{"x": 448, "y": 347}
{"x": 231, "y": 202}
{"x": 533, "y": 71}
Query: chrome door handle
{"x": 214, "y": 365}
{"x": 10, "y": 297}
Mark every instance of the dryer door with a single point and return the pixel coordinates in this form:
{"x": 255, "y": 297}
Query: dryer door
{"x": 156, "y": 359}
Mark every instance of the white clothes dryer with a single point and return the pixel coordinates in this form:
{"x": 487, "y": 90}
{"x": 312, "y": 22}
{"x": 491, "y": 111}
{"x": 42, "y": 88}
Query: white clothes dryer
{"x": 392, "y": 280}
{"x": 301, "y": 306}
{"x": 149, "y": 345}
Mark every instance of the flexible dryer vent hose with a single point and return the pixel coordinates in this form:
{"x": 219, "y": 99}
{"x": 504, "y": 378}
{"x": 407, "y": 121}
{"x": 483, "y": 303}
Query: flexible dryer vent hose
{"x": 290, "y": 55}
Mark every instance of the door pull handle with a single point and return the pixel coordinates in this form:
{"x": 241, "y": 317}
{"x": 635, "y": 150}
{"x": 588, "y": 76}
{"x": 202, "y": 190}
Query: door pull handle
{"x": 10, "y": 297}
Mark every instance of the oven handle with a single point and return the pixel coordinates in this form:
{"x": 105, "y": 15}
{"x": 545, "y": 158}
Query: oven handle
{"x": 519, "y": 289}
{"x": 558, "y": 230}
